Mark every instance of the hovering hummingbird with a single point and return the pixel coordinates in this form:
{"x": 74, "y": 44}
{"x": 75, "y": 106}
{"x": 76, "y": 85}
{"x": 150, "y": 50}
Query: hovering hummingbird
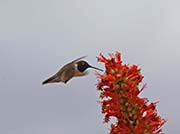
{"x": 73, "y": 69}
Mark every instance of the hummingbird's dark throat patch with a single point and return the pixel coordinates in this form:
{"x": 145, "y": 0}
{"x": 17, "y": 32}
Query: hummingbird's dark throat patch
{"x": 82, "y": 66}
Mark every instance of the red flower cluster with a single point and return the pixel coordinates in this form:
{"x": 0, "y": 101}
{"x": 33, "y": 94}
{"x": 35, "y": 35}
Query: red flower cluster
{"x": 119, "y": 99}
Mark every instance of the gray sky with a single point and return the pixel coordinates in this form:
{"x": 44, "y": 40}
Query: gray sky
{"x": 38, "y": 36}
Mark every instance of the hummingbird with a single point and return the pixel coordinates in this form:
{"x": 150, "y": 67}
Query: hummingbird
{"x": 75, "y": 68}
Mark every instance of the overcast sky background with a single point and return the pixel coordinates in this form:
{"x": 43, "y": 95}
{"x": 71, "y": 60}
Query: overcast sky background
{"x": 37, "y": 37}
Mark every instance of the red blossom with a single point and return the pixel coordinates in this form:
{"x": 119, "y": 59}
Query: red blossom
{"x": 119, "y": 99}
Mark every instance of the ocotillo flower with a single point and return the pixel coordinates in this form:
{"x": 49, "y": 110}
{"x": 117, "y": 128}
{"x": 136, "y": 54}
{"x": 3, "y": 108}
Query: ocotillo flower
{"x": 119, "y": 87}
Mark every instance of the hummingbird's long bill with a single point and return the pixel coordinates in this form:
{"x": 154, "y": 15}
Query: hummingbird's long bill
{"x": 96, "y": 68}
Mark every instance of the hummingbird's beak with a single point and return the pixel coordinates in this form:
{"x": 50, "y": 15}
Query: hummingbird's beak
{"x": 96, "y": 68}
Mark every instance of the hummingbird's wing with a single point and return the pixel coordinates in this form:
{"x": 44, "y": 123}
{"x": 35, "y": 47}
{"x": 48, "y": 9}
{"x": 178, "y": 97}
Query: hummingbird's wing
{"x": 78, "y": 59}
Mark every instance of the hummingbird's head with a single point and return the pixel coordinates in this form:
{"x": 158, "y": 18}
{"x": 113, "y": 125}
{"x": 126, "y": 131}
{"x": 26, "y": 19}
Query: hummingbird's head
{"x": 83, "y": 65}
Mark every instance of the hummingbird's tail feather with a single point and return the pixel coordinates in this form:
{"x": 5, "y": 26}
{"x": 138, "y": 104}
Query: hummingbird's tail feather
{"x": 52, "y": 79}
